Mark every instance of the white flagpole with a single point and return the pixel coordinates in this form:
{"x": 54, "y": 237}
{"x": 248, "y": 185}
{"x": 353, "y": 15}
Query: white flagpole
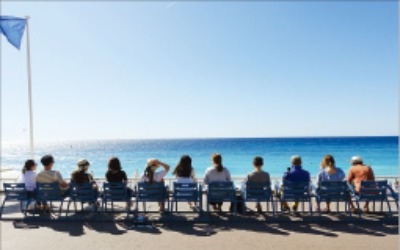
{"x": 28, "y": 61}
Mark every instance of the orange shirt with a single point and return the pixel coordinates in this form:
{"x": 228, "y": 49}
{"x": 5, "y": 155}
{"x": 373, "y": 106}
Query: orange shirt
{"x": 358, "y": 173}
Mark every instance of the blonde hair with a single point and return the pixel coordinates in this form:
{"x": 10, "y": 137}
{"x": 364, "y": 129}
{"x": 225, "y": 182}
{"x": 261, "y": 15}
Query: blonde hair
{"x": 328, "y": 161}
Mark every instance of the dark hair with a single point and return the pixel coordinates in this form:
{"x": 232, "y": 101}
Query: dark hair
{"x": 114, "y": 164}
{"x": 258, "y": 161}
{"x": 149, "y": 173}
{"x": 217, "y": 160}
{"x": 29, "y": 164}
{"x": 184, "y": 167}
{"x": 47, "y": 160}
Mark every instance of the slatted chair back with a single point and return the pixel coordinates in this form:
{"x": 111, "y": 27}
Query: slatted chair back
{"x": 151, "y": 192}
{"x": 373, "y": 190}
{"x": 82, "y": 192}
{"x": 115, "y": 191}
{"x": 258, "y": 191}
{"x": 186, "y": 192}
{"x": 221, "y": 191}
{"x": 296, "y": 191}
{"x": 15, "y": 192}
{"x": 48, "y": 192}
{"x": 333, "y": 191}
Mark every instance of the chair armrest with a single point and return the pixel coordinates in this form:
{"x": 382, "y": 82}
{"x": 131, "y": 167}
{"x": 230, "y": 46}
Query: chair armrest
{"x": 394, "y": 195}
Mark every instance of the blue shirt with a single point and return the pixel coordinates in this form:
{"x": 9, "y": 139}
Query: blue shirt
{"x": 296, "y": 174}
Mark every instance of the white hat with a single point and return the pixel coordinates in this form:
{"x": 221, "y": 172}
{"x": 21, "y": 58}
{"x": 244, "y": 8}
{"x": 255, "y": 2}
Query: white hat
{"x": 356, "y": 159}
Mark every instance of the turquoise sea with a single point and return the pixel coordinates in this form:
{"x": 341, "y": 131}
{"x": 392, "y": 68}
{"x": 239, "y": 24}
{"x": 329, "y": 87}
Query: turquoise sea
{"x": 380, "y": 152}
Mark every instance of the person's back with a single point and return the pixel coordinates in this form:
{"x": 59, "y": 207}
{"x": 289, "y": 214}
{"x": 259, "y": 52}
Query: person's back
{"x": 359, "y": 172}
{"x": 258, "y": 175}
{"x": 28, "y": 176}
{"x": 297, "y": 174}
{"x": 47, "y": 175}
{"x": 213, "y": 175}
{"x": 184, "y": 171}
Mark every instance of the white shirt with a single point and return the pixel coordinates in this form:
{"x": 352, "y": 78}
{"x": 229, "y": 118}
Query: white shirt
{"x": 212, "y": 175}
{"x": 29, "y": 178}
{"x": 158, "y": 176}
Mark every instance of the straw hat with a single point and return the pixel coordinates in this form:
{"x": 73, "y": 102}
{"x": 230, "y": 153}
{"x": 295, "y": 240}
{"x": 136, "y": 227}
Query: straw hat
{"x": 153, "y": 163}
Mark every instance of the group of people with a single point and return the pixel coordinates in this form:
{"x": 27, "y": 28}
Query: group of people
{"x": 185, "y": 173}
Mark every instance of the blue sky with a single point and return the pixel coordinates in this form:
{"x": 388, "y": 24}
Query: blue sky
{"x": 131, "y": 70}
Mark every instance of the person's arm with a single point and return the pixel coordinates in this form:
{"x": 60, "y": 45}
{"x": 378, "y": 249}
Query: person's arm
{"x": 350, "y": 176}
{"x": 164, "y": 165}
{"x": 62, "y": 182}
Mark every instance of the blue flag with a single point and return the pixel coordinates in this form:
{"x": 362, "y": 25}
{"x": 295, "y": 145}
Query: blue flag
{"x": 13, "y": 28}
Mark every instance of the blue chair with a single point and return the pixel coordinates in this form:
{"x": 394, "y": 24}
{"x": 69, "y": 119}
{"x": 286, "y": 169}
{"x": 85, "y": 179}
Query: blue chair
{"x": 374, "y": 191}
{"x": 394, "y": 195}
{"x": 115, "y": 192}
{"x": 49, "y": 193}
{"x": 16, "y": 192}
{"x": 220, "y": 192}
{"x": 296, "y": 192}
{"x": 186, "y": 192}
{"x": 258, "y": 192}
{"x": 333, "y": 191}
{"x": 82, "y": 192}
{"x": 151, "y": 192}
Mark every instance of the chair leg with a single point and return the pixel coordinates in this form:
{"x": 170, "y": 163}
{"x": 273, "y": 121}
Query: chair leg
{"x": 2, "y": 207}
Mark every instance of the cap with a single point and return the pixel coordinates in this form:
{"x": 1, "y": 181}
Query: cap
{"x": 356, "y": 159}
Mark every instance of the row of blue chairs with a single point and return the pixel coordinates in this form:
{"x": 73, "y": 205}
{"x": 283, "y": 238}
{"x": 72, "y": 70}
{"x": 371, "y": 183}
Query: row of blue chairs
{"x": 192, "y": 192}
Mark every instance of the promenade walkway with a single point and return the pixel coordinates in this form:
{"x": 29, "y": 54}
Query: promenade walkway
{"x": 333, "y": 231}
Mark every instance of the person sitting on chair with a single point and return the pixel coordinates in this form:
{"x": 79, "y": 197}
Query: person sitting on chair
{"x": 216, "y": 173}
{"x": 80, "y": 175}
{"x": 359, "y": 172}
{"x": 296, "y": 174}
{"x": 258, "y": 175}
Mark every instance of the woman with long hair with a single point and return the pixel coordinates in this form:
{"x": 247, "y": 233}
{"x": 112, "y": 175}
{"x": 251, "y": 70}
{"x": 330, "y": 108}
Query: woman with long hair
{"x": 329, "y": 172}
{"x": 216, "y": 173}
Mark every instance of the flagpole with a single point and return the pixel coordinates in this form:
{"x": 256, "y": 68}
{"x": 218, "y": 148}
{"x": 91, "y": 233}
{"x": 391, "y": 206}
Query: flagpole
{"x": 28, "y": 61}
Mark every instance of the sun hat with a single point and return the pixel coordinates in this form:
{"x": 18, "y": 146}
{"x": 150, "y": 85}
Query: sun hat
{"x": 153, "y": 163}
{"x": 356, "y": 159}
{"x": 83, "y": 164}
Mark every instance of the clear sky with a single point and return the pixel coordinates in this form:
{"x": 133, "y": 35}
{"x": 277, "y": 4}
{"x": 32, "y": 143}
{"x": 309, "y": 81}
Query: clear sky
{"x": 127, "y": 70}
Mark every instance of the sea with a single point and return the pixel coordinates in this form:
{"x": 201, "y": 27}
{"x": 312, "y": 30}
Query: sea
{"x": 381, "y": 153}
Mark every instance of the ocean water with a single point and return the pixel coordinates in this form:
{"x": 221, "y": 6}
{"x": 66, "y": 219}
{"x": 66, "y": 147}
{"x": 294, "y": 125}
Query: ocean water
{"x": 380, "y": 152}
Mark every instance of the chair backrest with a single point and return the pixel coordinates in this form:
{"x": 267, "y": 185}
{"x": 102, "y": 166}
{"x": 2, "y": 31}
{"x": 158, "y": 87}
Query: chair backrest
{"x": 373, "y": 190}
{"x": 333, "y": 190}
{"x": 296, "y": 190}
{"x": 82, "y": 192}
{"x": 220, "y": 191}
{"x": 155, "y": 191}
{"x": 15, "y": 191}
{"x": 115, "y": 191}
{"x": 186, "y": 191}
{"x": 258, "y": 191}
{"x": 48, "y": 191}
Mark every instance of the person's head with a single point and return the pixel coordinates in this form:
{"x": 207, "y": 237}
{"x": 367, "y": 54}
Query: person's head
{"x": 258, "y": 162}
{"x": 295, "y": 160}
{"x": 217, "y": 161}
{"x": 328, "y": 161}
{"x": 30, "y": 165}
{"x": 47, "y": 161}
{"x": 356, "y": 160}
{"x": 114, "y": 164}
{"x": 184, "y": 167}
{"x": 83, "y": 165}
{"x": 151, "y": 167}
